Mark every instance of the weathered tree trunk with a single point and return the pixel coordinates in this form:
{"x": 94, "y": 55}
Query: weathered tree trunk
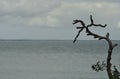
{"x": 109, "y": 72}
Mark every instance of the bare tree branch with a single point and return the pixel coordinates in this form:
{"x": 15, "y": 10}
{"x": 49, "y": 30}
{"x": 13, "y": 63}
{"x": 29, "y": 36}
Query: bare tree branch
{"x": 91, "y": 20}
{"x": 77, "y": 35}
{"x": 89, "y": 33}
{"x": 81, "y": 28}
{"x": 79, "y": 21}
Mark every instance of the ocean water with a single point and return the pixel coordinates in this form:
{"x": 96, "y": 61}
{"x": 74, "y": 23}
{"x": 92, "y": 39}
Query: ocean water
{"x": 54, "y": 59}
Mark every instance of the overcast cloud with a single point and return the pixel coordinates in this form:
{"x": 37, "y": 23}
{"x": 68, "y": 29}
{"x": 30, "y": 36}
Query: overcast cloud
{"x": 52, "y": 19}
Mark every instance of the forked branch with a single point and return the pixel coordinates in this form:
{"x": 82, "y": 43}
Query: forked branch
{"x": 90, "y": 33}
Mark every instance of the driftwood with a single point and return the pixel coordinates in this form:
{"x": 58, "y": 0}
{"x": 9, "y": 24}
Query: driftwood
{"x": 99, "y": 37}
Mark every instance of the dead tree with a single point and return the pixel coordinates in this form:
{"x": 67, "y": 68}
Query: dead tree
{"x": 97, "y": 66}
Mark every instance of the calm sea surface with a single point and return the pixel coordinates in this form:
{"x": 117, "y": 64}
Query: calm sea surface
{"x": 53, "y": 59}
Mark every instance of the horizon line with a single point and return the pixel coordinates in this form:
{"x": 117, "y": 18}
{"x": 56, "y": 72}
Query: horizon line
{"x": 48, "y": 39}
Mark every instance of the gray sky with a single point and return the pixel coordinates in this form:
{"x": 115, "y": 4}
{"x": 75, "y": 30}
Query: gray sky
{"x": 52, "y": 19}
